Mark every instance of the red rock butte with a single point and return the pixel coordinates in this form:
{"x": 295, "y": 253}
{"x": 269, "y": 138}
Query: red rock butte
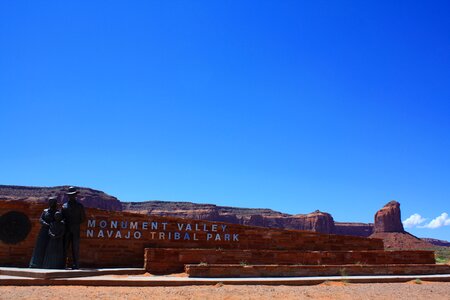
{"x": 388, "y": 219}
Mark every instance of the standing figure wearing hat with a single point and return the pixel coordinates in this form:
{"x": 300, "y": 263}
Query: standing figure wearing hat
{"x": 74, "y": 215}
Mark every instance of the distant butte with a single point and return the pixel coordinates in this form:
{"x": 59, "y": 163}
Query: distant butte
{"x": 89, "y": 197}
{"x": 388, "y": 219}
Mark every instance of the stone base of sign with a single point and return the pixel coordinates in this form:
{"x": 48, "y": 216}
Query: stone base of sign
{"x": 52, "y": 273}
{"x": 218, "y": 271}
{"x": 173, "y": 260}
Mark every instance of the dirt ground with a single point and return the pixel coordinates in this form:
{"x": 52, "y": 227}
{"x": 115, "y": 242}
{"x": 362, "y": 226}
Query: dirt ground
{"x": 332, "y": 290}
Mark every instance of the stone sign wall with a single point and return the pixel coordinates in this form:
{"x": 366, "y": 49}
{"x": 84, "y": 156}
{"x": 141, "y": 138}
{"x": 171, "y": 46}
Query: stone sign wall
{"x": 118, "y": 239}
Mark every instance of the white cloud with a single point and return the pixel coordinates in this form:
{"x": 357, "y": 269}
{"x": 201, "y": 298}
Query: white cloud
{"x": 442, "y": 220}
{"x": 413, "y": 221}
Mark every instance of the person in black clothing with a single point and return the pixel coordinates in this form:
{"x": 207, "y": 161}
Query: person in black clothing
{"x": 54, "y": 254}
{"x": 74, "y": 215}
{"x": 47, "y": 217}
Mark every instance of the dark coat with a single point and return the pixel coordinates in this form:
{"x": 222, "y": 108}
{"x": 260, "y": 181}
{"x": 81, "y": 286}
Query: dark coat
{"x": 74, "y": 215}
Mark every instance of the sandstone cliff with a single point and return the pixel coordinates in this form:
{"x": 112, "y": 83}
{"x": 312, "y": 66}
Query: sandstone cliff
{"x": 356, "y": 229}
{"x": 388, "y": 219}
{"x": 89, "y": 197}
{"x": 401, "y": 240}
{"x": 389, "y": 228}
{"x": 316, "y": 221}
{"x": 436, "y": 242}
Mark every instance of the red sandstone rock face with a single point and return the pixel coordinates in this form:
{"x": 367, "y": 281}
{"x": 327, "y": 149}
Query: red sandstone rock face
{"x": 356, "y": 229}
{"x": 436, "y": 242}
{"x": 187, "y": 210}
{"x": 401, "y": 240}
{"x": 89, "y": 197}
{"x": 316, "y": 221}
{"x": 388, "y": 218}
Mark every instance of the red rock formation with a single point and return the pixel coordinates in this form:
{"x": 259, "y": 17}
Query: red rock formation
{"x": 316, "y": 221}
{"x": 388, "y": 218}
{"x": 208, "y": 212}
{"x": 389, "y": 228}
{"x": 355, "y": 229}
{"x": 401, "y": 240}
{"x": 89, "y": 197}
{"x": 436, "y": 242}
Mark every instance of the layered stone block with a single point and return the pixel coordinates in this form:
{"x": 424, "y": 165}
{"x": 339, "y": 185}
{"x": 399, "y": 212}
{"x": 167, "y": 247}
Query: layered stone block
{"x": 164, "y": 260}
{"x": 218, "y": 271}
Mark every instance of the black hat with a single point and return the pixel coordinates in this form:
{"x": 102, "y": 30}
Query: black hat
{"x": 72, "y": 191}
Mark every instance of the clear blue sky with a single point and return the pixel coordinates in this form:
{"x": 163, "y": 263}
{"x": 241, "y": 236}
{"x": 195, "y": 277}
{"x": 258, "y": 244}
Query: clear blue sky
{"x": 291, "y": 105}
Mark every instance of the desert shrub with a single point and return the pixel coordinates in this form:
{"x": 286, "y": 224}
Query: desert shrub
{"x": 442, "y": 255}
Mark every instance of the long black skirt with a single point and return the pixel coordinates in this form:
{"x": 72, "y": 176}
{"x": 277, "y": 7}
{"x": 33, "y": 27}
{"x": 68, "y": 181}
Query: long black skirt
{"x": 54, "y": 256}
{"x": 37, "y": 260}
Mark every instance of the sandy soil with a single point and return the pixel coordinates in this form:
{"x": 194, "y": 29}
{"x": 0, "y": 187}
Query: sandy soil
{"x": 332, "y": 290}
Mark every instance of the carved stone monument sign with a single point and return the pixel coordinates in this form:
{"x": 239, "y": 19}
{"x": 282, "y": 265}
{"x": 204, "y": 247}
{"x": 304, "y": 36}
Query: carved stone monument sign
{"x": 165, "y": 244}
